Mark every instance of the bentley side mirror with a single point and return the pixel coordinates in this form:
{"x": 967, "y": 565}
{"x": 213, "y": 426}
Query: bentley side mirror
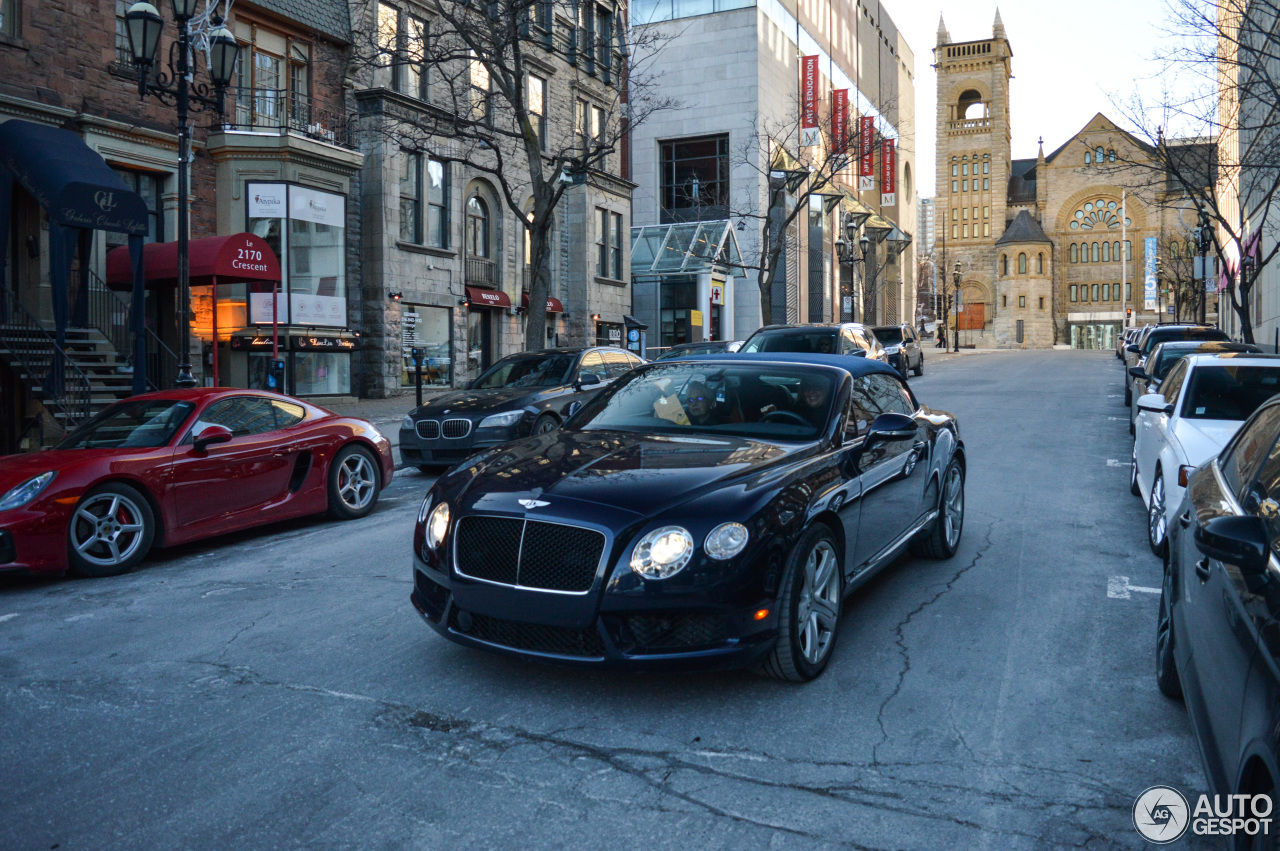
{"x": 209, "y": 435}
{"x": 588, "y": 379}
{"x": 1154, "y": 403}
{"x": 888, "y": 428}
{"x": 1240, "y": 541}
{"x": 1139, "y": 373}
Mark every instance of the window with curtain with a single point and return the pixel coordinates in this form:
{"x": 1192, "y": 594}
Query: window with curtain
{"x": 437, "y": 180}
{"x": 410, "y": 196}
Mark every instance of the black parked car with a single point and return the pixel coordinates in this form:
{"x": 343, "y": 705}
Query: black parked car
{"x": 707, "y": 347}
{"x": 526, "y": 393}
{"x": 1218, "y": 634}
{"x": 1136, "y": 353}
{"x": 848, "y": 338}
{"x": 902, "y": 346}
{"x": 711, "y": 512}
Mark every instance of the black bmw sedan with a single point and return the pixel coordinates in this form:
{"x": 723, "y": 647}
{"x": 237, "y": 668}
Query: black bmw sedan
{"x": 526, "y": 393}
{"x": 712, "y": 512}
{"x": 1218, "y": 629}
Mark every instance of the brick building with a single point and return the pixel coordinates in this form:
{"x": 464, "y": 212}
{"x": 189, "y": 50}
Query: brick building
{"x": 1051, "y": 248}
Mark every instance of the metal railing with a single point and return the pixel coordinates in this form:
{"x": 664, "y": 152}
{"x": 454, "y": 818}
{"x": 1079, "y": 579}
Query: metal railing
{"x": 482, "y": 272}
{"x": 43, "y": 365}
{"x": 285, "y": 111}
{"x": 109, "y": 313}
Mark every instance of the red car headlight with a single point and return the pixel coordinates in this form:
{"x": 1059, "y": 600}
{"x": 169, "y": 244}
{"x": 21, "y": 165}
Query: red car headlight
{"x": 25, "y": 492}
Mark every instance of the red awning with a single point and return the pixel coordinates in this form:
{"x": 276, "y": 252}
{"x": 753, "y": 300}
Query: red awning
{"x": 480, "y": 297}
{"x": 554, "y": 305}
{"x": 232, "y": 259}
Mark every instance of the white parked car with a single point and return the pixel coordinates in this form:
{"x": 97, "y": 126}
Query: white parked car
{"x": 1200, "y": 404}
{"x": 1156, "y": 366}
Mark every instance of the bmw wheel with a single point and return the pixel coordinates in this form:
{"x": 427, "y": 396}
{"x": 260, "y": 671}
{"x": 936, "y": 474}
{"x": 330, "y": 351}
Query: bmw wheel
{"x": 354, "y": 483}
{"x": 1157, "y": 523}
{"x": 545, "y": 423}
{"x": 110, "y": 532}
{"x": 809, "y": 609}
{"x": 1166, "y": 669}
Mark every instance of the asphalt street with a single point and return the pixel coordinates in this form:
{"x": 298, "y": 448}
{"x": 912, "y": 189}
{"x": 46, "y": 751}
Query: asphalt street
{"x": 279, "y": 690}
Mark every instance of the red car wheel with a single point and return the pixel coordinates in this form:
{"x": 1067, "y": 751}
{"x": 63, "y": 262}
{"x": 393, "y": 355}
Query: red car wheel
{"x": 110, "y": 532}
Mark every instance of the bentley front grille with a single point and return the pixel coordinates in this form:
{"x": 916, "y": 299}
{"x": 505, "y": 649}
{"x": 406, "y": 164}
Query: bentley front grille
{"x": 528, "y": 553}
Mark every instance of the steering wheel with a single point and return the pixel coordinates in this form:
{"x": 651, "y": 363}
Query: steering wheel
{"x": 785, "y": 416}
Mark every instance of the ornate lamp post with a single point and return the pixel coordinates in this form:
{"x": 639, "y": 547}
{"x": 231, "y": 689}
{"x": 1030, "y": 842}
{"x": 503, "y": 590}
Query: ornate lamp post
{"x": 853, "y": 221}
{"x": 143, "y": 23}
{"x": 874, "y": 232}
{"x": 955, "y": 289}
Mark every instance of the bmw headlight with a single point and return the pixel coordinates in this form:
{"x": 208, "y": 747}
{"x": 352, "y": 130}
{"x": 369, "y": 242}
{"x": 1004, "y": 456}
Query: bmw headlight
{"x": 25, "y": 492}
{"x": 407, "y": 422}
{"x": 505, "y": 420}
{"x": 437, "y": 525}
{"x": 726, "y": 541}
{"x": 662, "y": 553}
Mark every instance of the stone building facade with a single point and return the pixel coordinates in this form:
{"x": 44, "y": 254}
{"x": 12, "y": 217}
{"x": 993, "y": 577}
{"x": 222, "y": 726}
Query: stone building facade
{"x": 444, "y": 258}
{"x": 1052, "y": 248}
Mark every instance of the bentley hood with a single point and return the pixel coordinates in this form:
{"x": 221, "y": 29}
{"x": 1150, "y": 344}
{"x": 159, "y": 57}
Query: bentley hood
{"x": 640, "y": 473}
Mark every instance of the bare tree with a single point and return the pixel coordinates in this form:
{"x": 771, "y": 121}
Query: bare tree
{"x": 1210, "y": 136}
{"x": 791, "y": 175}
{"x": 1177, "y": 272}
{"x": 478, "y": 72}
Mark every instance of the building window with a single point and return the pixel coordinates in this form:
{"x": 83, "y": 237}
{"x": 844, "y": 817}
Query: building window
{"x": 1022, "y": 264}
{"x": 477, "y": 238}
{"x": 1115, "y": 292}
{"x": 124, "y": 55}
{"x": 695, "y": 179}
{"x": 1075, "y": 253}
{"x": 964, "y": 186}
{"x": 428, "y": 330}
{"x": 615, "y": 245}
{"x": 150, "y": 186}
{"x": 986, "y": 183}
{"x": 401, "y": 42}
{"x": 1111, "y": 155}
{"x": 415, "y": 58}
{"x": 955, "y": 186}
{"x": 1022, "y": 301}
{"x": 1004, "y": 301}
{"x": 272, "y": 90}
{"x": 1128, "y": 250}
{"x": 1098, "y": 154}
{"x": 986, "y": 228}
{"x": 1115, "y": 250}
{"x": 955, "y": 214}
{"x": 1106, "y": 252}
{"x": 1074, "y": 292}
{"x": 536, "y": 95}
{"x": 1097, "y": 254}
{"x": 986, "y": 212}
{"x": 965, "y": 170}
{"x": 437, "y": 176}
{"x": 986, "y": 169}
{"x": 1004, "y": 264}
{"x": 1088, "y": 157}
{"x": 964, "y": 213}
{"x": 1095, "y": 293}
{"x": 481, "y": 106}
{"x": 975, "y": 213}
{"x": 955, "y": 170}
{"x": 965, "y": 231}
{"x": 1042, "y": 302}
{"x": 1040, "y": 264}
{"x": 955, "y": 231}
{"x": 1128, "y": 292}
{"x": 410, "y": 196}
{"x": 602, "y": 246}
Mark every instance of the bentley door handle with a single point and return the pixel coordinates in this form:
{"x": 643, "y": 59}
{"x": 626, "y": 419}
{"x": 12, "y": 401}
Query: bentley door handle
{"x": 1202, "y": 569}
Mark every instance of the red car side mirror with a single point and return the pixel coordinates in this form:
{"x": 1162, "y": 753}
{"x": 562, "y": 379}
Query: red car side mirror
{"x": 211, "y": 434}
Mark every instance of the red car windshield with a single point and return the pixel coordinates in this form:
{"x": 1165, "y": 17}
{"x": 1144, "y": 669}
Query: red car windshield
{"x": 140, "y": 423}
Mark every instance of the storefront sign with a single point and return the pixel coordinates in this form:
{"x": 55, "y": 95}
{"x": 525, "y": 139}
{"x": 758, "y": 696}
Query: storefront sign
{"x": 867, "y": 154}
{"x": 839, "y": 121}
{"x": 260, "y": 343}
{"x": 324, "y": 344}
{"x": 888, "y": 174}
{"x": 717, "y": 293}
{"x": 323, "y": 208}
{"x": 307, "y": 309}
{"x": 1149, "y": 282}
{"x": 267, "y": 200}
{"x": 260, "y": 307}
{"x": 809, "y": 136}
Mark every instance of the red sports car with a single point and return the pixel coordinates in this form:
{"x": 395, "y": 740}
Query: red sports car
{"x": 176, "y": 466}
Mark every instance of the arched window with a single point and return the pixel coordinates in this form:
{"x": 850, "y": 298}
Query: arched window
{"x": 1004, "y": 264}
{"x": 1098, "y": 154}
{"x": 1088, "y": 158}
{"x": 477, "y": 227}
{"x": 1075, "y": 253}
{"x": 1106, "y": 252}
{"x": 1097, "y": 254}
{"x": 1040, "y": 263}
{"x": 1115, "y": 250}
{"x": 1022, "y": 264}
{"x": 1111, "y": 155}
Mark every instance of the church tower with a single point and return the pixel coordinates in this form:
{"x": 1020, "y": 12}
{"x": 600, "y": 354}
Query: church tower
{"x": 973, "y": 168}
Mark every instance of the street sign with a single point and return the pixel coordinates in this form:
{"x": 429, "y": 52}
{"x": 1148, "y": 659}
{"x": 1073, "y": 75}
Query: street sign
{"x": 633, "y": 335}
{"x": 717, "y": 293}
{"x": 847, "y": 304}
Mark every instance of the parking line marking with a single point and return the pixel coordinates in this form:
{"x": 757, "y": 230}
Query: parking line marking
{"x": 8, "y": 617}
{"x": 1118, "y": 588}
{"x": 1112, "y": 462}
{"x": 1117, "y": 419}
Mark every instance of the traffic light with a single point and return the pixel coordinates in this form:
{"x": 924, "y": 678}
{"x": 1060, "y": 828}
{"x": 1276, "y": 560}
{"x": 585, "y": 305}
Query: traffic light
{"x": 1128, "y": 313}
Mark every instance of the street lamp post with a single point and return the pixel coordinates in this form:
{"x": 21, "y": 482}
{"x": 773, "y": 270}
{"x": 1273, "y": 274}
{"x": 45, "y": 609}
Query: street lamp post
{"x": 955, "y": 290}
{"x": 845, "y": 251}
{"x": 143, "y": 23}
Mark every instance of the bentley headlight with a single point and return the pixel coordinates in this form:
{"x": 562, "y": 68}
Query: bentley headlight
{"x": 25, "y": 492}
{"x": 510, "y": 418}
{"x": 662, "y": 553}
{"x": 407, "y": 422}
{"x": 437, "y": 525}
{"x": 726, "y": 540}
{"x": 422, "y": 512}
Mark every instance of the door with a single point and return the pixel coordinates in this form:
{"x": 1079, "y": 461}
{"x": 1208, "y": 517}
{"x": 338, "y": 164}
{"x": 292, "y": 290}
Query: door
{"x": 1214, "y": 594}
{"x": 1152, "y": 429}
{"x": 246, "y": 473}
{"x": 479, "y": 344}
{"x": 892, "y": 474}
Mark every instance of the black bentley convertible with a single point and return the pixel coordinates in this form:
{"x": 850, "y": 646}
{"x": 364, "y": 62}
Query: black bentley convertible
{"x": 711, "y": 512}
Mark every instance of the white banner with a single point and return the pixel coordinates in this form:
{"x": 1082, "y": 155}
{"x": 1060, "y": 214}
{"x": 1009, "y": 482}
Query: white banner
{"x": 1149, "y": 281}
{"x": 267, "y": 200}
{"x": 309, "y": 205}
{"x": 318, "y": 310}
{"x": 866, "y": 184}
{"x": 260, "y": 309}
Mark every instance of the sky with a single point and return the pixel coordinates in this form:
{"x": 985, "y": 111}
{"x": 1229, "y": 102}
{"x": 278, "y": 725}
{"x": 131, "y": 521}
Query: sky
{"x": 1070, "y": 62}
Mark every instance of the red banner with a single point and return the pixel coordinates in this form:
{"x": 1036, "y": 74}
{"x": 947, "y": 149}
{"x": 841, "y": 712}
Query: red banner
{"x": 888, "y": 174}
{"x": 867, "y": 154}
{"x": 808, "y": 101}
{"x": 839, "y": 121}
